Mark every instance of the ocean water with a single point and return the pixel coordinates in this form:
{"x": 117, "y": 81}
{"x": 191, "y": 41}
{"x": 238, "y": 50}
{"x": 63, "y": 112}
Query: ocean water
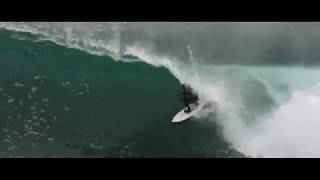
{"x": 111, "y": 89}
{"x": 62, "y": 102}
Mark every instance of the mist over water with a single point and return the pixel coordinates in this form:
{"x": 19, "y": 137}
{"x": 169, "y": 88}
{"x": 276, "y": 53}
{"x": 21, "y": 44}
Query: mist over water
{"x": 260, "y": 79}
{"x": 223, "y": 43}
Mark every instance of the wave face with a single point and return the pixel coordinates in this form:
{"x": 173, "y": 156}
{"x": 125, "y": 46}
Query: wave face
{"x": 260, "y": 78}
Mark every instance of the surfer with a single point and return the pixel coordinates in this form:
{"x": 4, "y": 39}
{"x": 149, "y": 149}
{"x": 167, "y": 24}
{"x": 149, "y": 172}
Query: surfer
{"x": 189, "y": 97}
{"x": 191, "y": 102}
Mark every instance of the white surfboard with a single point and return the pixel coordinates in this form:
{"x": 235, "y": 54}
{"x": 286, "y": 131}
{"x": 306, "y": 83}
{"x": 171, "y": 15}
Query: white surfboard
{"x": 182, "y": 116}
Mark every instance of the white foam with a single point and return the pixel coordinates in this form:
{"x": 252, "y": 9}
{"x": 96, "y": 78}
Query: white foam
{"x": 33, "y": 132}
{"x": 293, "y": 130}
{"x": 17, "y": 84}
{"x": 33, "y": 89}
{"x": 11, "y": 100}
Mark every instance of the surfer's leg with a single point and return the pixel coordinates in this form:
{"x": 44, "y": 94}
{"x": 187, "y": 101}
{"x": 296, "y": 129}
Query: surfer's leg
{"x": 188, "y": 109}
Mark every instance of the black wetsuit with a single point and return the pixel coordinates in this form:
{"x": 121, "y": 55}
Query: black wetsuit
{"x": 188, "y": 97}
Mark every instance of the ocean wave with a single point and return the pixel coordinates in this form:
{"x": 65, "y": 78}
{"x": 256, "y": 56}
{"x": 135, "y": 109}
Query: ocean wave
{"x": 255, "y": 105}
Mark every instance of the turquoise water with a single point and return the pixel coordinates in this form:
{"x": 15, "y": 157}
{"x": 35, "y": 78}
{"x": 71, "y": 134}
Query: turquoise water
{"x": 61, "y": 102}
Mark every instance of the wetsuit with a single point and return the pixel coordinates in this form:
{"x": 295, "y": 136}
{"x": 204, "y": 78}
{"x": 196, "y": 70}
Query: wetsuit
{"x": 188, "y": 97}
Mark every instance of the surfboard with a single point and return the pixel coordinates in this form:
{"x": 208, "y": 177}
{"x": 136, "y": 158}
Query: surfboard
{"x": 182, "y": 116}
